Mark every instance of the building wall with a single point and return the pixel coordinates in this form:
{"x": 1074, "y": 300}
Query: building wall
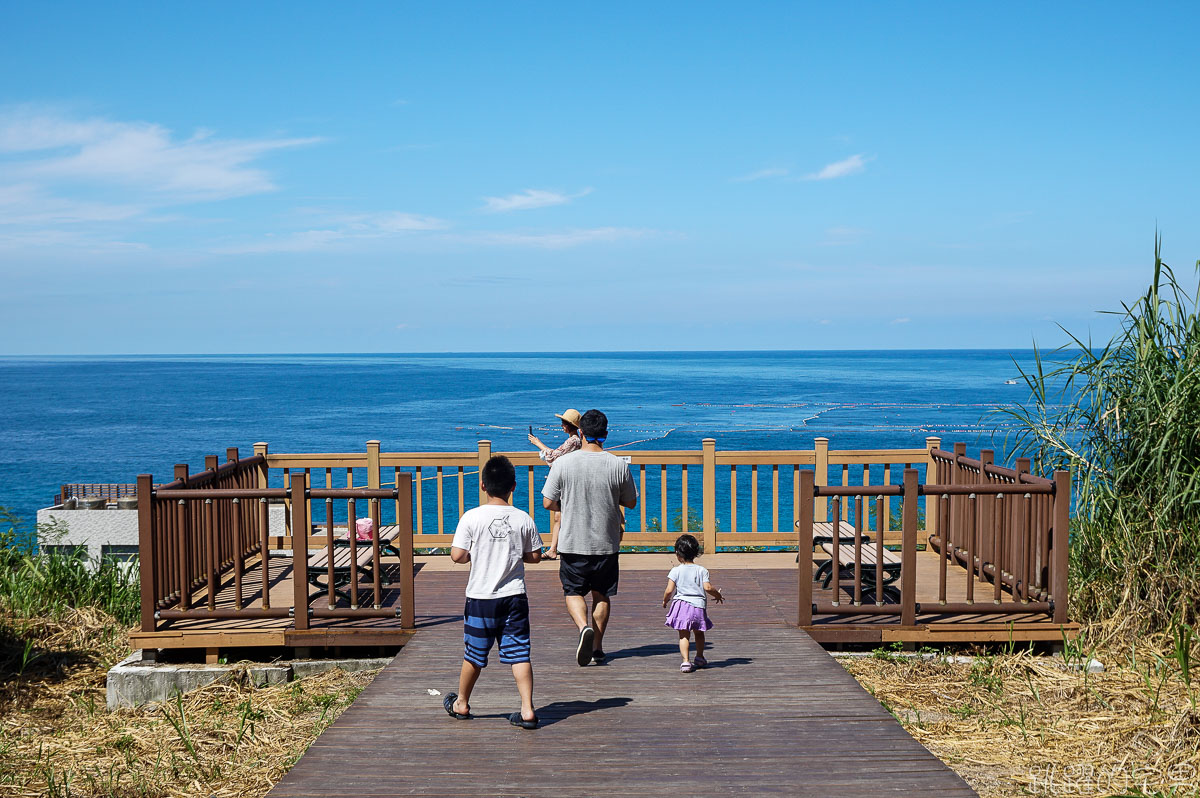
{"x": 95, "y": 529}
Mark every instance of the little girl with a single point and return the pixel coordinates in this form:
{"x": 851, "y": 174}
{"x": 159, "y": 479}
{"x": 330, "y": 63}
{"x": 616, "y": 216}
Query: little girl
{"x": 688, "y": 583}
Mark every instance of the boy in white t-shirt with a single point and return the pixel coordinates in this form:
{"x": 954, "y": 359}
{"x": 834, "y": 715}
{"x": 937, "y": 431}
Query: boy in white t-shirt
{"x": 497, "y": 539}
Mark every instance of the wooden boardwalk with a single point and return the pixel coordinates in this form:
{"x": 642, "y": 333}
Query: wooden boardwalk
{"x": 773, "y": 715}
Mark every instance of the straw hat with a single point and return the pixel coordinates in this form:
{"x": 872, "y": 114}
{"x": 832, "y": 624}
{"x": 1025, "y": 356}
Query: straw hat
{"x": 571, "y": 416}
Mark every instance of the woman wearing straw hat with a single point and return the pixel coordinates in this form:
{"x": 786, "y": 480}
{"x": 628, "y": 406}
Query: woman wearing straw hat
{"x": 570, "y": 424}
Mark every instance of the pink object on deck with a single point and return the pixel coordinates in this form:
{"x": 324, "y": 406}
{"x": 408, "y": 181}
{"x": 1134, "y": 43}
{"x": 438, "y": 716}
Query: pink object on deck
{"x": 363, "y": 528}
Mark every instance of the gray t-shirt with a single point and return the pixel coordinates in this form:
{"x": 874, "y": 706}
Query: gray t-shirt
{"x": 591, "y": 487}
{"x": 498, "y": 537}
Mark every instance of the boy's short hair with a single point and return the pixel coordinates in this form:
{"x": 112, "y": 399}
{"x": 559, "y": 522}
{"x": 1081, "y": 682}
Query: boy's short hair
{"x": 498, "y": 476}
{"x": 687, "y": 547}
{"x": 594, "y": 424}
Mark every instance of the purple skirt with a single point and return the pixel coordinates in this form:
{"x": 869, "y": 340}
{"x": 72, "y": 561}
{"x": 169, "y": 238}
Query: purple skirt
{"x": 683, "y": 616}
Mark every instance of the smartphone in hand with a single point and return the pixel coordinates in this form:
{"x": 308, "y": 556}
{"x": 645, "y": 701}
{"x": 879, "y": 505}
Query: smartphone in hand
{"x": 530, "y": 429}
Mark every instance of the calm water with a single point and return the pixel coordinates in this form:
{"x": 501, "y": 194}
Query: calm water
{"x": 106, "y": 419}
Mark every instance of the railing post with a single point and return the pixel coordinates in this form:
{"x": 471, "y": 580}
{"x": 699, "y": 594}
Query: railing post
{"x": 708, "y": 502}
{"x": 1062, "y": 527}
{"x": 821, "y": 445}
{"x": 263, "y": 471}
{"x": 404, "y": 519}
{"x": 373, "y": 465}
{"x": 485, "y": 454}
{"x": 231, "y": 454}
{"x": 984, "y": 524}
{"x": 958, "y": 503}
{"x": 908, "y": 550}
{"x": 300, "y": 529}
{"x": 147, "y": 564}
{"x": 931, "y": 502}
{"x": 211, "y": 461}
{"x": 804, "y": 560}
{"x": 181, "y": 471}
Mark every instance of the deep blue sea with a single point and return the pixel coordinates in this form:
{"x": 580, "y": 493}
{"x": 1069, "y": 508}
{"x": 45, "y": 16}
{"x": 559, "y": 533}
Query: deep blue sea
{"x": 107, "y": 419}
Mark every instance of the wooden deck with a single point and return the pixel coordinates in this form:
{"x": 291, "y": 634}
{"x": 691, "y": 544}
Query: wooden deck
{"x": 763, "y": 582}
{"x": 773, "y": 715}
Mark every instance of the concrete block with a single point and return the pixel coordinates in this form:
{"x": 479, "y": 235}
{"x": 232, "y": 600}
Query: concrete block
{"x": 270, "y": 675}
{"x": 311, "y": 667}
{"x": 134, "y": 681}
{"x": 138, "y": 679}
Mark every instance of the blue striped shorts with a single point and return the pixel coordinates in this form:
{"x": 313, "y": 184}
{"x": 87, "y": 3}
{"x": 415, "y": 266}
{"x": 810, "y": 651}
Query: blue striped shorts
{"x": 487, "y": 620}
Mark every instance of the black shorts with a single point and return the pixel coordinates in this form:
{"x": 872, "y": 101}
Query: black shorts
{"x": 581, "y": 574}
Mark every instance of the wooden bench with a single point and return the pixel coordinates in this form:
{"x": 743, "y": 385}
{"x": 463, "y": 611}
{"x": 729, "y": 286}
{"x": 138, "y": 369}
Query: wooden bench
{"x": 318, "y": 563}
{"x": 318, "y": 567}
{"x": 823, "y": 533}
{"x": 845, "y": 555}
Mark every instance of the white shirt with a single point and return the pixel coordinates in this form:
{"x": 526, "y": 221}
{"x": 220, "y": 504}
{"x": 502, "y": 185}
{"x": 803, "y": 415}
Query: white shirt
{"x": 498, "y": 537}
{"x": 689, "y": 580}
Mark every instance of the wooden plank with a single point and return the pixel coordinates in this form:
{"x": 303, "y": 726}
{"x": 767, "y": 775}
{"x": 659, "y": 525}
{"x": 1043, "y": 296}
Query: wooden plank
{"x": 627, "y": 713}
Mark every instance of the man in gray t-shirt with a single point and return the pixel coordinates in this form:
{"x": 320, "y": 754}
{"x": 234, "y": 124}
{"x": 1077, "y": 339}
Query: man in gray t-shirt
{"x": 589, "y": 487}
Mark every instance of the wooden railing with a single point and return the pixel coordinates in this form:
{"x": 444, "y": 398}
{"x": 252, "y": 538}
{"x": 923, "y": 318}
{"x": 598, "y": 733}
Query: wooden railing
{"x": 726, "y": 498}
{"x": 199, "y": 534}
{"x": 995, "y": 524}
{"x": 105, "y": 490}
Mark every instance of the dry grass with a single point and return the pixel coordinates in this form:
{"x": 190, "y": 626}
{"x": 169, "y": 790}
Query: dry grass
{"x": 1020, "y": 724}
{"x": 56, "y": 739}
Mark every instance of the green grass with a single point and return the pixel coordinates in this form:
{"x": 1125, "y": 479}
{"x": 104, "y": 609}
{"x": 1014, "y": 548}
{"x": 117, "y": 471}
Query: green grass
{"x": 1124, "y": 418}
{"x": 35, "y": 584}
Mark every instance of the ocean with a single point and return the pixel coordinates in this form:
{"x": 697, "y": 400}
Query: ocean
{"x": 108, "y": 419}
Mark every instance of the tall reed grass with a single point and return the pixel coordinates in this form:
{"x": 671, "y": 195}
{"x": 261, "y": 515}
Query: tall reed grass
{"x": 48, "y": 582}
{"x": 1130, "y": 434}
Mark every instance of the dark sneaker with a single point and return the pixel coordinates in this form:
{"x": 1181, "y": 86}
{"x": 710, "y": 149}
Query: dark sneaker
{"x": 599, "y": 657}
{"x": 583, "y": 654}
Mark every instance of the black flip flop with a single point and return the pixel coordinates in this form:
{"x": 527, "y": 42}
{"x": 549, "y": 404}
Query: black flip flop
{"x": 448, "y": 703}
{"x": 516, "y": 720}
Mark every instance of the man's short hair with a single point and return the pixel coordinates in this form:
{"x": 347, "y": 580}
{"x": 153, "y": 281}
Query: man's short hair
{"x": 594, "y": 424}
{"x": 498, "y": 476}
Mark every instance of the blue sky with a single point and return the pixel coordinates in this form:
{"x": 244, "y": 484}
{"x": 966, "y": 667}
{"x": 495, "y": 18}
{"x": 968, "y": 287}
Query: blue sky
{"x": 280, "y": 177}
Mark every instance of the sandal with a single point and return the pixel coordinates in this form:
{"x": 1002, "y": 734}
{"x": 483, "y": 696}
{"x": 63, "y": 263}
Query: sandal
{"x": 700, "y": 662}
{"x": 516, "y": 720}
{"x": 448, "y": 703}
{"x": 686, "y": 667}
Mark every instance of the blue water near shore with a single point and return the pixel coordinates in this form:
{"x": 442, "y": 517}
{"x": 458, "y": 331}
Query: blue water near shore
{"x": 107, "y": 419}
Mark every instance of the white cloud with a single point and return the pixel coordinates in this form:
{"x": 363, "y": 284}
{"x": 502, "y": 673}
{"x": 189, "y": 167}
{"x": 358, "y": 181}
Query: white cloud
{"x": 43, "y": 241}
{"x": 134, "y": 156}
{"x": 902, "y": 320}
{"x": 388, "y": 223}
{"x": 530, "y": 198}
{"x": 28, "y": 204}
{"x": 343, "y": 229}
{"x": 564, "y": 239}
{"x": 761, "y": 174}
{"x": 844, "y": 168}
{"x": 841, "y": 236}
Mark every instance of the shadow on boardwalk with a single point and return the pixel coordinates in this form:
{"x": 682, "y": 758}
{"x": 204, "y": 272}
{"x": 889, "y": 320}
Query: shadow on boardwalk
{"x": 773, "y": 714}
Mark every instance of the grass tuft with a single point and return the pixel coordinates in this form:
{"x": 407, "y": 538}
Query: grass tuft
{"x": 1122, "y": 418}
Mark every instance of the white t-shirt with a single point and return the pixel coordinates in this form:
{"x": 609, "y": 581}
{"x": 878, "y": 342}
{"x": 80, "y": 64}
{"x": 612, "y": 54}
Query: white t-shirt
{"x": 689, "y": 580}
{"x": 498, "y": 537}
